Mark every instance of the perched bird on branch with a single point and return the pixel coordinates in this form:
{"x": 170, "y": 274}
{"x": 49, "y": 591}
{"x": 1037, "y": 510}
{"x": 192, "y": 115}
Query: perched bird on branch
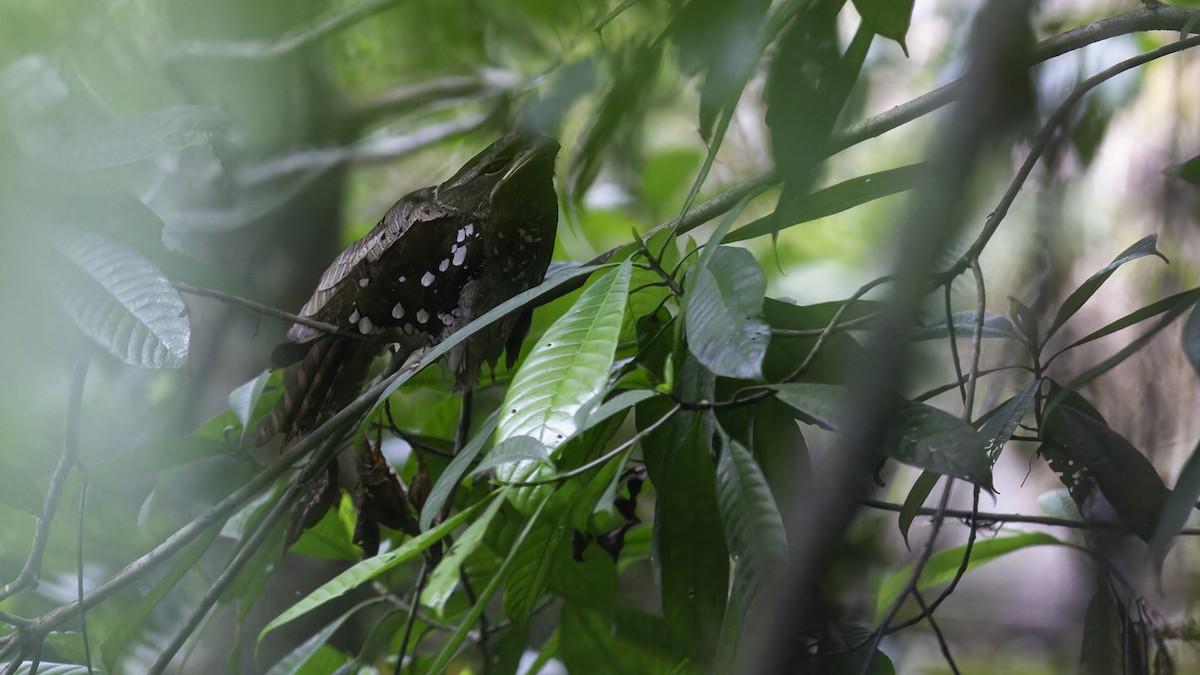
{"x": 440, "y": 257}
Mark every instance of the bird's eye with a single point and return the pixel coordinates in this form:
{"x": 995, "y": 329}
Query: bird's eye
{"x": 496, "y": 165}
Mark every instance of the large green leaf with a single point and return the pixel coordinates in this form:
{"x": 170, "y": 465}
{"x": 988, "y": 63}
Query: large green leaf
{"x": 1143, "y": 247}
{"x": 531, "y": 565}
{"x": 368, "y": 569}
{"x": 753, "y": 527}
{"x": 293, "y": 663}
{"x": 815, "y": 403}
{"x": 456, "y": 470}
{"x": 724, "y": 313}
{"x": 943, "y": 565}
{"x": 121, "y": 301}
{"x": 690, "y": 556}
{"x": 934, "y": 440}
{"x": 568, "y": 367}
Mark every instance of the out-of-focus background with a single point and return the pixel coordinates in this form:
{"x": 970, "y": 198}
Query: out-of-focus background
{"x": 240, "y": 145}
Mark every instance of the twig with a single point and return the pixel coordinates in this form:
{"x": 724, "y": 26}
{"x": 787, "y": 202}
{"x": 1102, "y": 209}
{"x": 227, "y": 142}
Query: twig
{"x": 1045, "y": 135}
{"x": 412, "y": 614}
{"x": 83, "y": 629}
{"x": 28, "y": 576}
{"x": 937, "y": 632}
{"x": 243, "y": 556}
{"x": 265, "y": 310}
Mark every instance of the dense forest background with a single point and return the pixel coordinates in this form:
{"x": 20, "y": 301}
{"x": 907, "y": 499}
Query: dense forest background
{"x": 870, "y": 345}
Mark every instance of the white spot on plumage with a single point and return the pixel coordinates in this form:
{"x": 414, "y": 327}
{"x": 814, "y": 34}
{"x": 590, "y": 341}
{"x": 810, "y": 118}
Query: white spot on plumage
{"x": 446, "y": 319}
{"x": 398, "y": 311}
{"x": 460, "y": 254}
{"x": 427, "y": 279}
{"x": 365, "y": 325}
{"x": 362, "y": 283}
{"x": 444, "y": 265}
{"x": 402, "y": 278}
{"x": 422, "y": 316}
{"x": 354, "y": 316}
{"x": 462, "y": 234}
{"x": 470, "y": 229}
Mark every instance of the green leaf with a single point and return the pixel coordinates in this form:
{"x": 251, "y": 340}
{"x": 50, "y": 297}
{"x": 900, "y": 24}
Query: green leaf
{"x": 531, "y": 567}
{"x": 690, "y": 555}
{"x": 121, "y": 301}
{"x": 45, "y": 668}
{"x": 943, "y": 565}
{"x": 1191, "y": 338}
{"x": 834, "y": 199}
{"x": 456, "y": 470}
{"x": 1077, "y": 298}
{"x": 819, "y": 404}
{"x": 598, "y": 642}
{"x": 1188, "y": 171}
{"x": 934, "y": 440}
{"x": 294, "y": 661}
{"x": 915, "y": 500}
{"x": 1172, "y": 306}
{"x": 1126, "y": 478}
{"x": 1178, "y": 506}
{"x": 130, "y": 140}
{"x": 245, "y": 399}
{"x": 594, "y": 412}
{"x": 591, "y": 581}
{"x": 753, "y": 527}
{"x": 1004, "y": 419}
{"x": 568, "y": 367}
{"x": 724, "y": 298}
{"x": 1103, "y": 651}
{"x": 515, "y": 449}
{"x": 445, "y": 576}
{"x": 469, "y": 622}
{"x": 889, "y": 18}
{"x": 368, "y": 569}
{"x": 964, "y": 323}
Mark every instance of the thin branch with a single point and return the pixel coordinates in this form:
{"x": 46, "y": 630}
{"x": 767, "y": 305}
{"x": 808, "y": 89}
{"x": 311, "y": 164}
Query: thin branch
{"x": 984, "y": 518}
{"x": 937, "y": 632}
{"x": 1042, "y": 141}
{"x": 265, "y": 310}
{"x": 288, "y": 43}
{"x": 976, "y": 340}
{"x": 31, "y": 571}
{"x": 232, "y": 569}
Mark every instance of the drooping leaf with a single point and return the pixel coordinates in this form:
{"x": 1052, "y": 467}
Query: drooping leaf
{"x": 1143, "y": 247}
{"x": 121, "y": 301}
{"x": 1126, "y": 478}
{"x": 753, "y": 527}
{"x": 889, "y": 18}
{"x": 833, "y": 199}
{"x": 568, "y": 367}
{"x": 1171, "y": 306}
{"x": 934, "y": 440}
{"x": 1178, "y": 506}
{"x": 915, "y": 500}
{"x": 724, "y": 298}
{"x": 943, "y": 565}
{"x": 1103, "y": 650}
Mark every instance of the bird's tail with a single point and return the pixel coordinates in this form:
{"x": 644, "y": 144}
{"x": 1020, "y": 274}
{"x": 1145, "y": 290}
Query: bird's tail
{"x": 326, "y": 379}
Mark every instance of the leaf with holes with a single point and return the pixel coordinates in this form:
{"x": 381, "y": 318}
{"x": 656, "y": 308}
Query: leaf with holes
{"x": 753, "y": 526}
{"x": 121, "y": 301}
{"x": 568, "y": 367}
{"x": 724, "y": 314}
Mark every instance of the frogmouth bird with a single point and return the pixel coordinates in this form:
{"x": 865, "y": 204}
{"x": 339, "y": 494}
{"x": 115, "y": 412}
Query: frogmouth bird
{"x": 439, "y": 258}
